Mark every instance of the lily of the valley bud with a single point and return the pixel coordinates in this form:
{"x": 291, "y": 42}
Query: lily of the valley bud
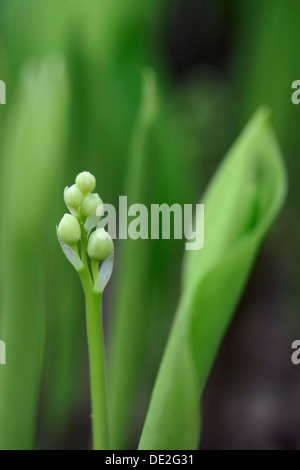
{"x": 90, "y": 204}
{"x": 100, "y": 245}
{"x": 73, "y": 197}
{"x": 86, "y": 182}
{"x": 69, "y": 229}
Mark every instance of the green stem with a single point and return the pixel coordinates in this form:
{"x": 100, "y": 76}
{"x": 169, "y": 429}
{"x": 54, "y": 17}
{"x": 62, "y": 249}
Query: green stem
{"x": 97, "y": 371}
{"x": 96, "y": 350}
{"x": 95, "y": 269}
{"x": 84, "y": 247}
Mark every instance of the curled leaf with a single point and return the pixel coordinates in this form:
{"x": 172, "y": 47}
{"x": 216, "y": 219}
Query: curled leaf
{"x": 241, "y": 203}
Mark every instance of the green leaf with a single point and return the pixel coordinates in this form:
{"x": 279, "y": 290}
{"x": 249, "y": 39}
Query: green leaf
{"x": 32, "y": 159}
{"x": 129, "y": 328}
{"x": 240, "y": 205}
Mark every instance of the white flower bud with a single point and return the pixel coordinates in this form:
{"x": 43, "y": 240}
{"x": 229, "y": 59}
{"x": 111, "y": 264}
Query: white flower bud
{"x": 73, "y": 197}
{"x": 100, "y": 245}
{"x": 69, "y": 229}
{"x": 86, "y": 182}
{"x": 90, "y": 204}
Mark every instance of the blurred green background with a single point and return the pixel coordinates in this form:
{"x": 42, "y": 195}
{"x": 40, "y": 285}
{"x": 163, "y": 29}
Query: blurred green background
{"x": 74, "y": 73}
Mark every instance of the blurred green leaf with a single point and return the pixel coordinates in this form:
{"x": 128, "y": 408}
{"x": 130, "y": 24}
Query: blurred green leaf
{"x": 133, "y": 306}
{"x": 240, "y": 205}
{"x": 32, "y": 163}
{"x": 264, "y": 28}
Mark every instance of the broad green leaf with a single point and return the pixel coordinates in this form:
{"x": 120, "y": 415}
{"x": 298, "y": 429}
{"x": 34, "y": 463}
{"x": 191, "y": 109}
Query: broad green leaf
{"x": 240, "y": 205}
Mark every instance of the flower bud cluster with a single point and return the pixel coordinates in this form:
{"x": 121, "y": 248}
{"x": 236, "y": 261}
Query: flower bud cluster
{"x": 83, "y": 203}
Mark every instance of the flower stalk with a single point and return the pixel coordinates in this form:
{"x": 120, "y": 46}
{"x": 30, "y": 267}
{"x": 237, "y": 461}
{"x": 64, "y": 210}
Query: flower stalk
{"x": 95, "y": 246}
